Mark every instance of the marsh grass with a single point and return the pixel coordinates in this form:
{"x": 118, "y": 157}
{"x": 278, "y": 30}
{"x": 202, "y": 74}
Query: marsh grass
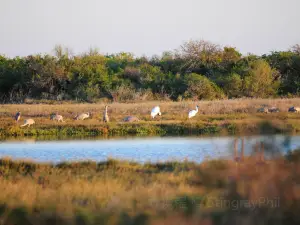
{"x": 214, "y": 117}
{"x": 124, "y": 192}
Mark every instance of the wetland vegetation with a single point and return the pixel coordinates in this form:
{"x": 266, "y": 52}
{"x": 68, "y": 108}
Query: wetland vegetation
{"x": 123, "y": 192}
{"x": 220, "y": 117}
{"x": 196, "y": 70}
{"x": 228, "y": 87}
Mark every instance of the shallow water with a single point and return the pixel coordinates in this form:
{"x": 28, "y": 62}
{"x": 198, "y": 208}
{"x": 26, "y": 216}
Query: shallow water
{"x": 141, "y": 149}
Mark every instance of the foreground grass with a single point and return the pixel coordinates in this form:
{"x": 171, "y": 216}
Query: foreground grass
{"x": 214, "y": 117}
{"x": 252, "y": 191}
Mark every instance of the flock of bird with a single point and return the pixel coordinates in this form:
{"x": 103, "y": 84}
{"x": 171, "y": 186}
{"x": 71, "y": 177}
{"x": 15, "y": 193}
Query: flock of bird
{"x": 154, "y": 112}
{"x": 275, "y": 109}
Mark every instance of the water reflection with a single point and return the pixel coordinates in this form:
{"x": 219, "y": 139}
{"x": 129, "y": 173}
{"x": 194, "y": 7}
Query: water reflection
{"x": 144, "y": 149}
{"x": 264, "y": 146}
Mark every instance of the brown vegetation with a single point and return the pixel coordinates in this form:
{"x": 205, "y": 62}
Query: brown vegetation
{"x": 168, "y": 108}
{"x": 228, "y": 116}
{"x": 251, "y": 191}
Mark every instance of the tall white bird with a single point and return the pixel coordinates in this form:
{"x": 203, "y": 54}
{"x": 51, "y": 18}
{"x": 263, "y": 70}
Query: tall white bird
{"x": 193, "y": 112}
{"x": 155, "y": 111}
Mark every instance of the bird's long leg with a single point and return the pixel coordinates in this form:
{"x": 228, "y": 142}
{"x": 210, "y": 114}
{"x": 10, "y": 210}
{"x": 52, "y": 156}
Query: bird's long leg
{"x": 160, "y": 118}
{"x": 190, "y": 127}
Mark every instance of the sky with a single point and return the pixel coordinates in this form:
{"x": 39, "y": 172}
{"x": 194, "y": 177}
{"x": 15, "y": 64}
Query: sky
{"x": 146, "y": 27}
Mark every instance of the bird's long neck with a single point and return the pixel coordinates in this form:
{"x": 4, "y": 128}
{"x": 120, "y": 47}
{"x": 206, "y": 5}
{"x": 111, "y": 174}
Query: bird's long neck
{"x": 196, "y": 109}
{"x": 106, "y": 110}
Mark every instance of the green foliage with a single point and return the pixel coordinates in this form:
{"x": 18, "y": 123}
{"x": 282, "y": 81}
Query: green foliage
{"x": 91, "y": 76}
{"x": 259, "y": 80}
{"x": 233, "y": 85}
{"x": 200, "y": 87}
{"x": 18, "y": 216}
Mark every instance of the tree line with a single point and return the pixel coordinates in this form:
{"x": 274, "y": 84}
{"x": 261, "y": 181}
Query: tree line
{"x": 197, "y": 70}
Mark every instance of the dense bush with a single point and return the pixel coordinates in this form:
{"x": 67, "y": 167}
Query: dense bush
{"x": 259, "y": 81}
{"x": 198, "y": 70}
{"x": 200, "y": 87}
{"x": 233, "y": 85}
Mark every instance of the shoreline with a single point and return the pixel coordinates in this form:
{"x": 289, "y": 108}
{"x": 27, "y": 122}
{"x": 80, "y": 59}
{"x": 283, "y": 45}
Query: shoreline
{"x": 158, "y": 129}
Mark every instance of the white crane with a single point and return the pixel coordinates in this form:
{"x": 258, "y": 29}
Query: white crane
{"x": 193, "y": 112}
{"x": 155, "y": 111}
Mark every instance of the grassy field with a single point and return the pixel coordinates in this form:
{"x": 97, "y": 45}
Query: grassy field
{"x": 250, "y": 191}
{"x": 214, "y": 117}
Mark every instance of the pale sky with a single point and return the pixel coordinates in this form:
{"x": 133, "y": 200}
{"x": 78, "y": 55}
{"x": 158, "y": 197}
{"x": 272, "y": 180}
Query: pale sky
{"x": 146, "y": 26}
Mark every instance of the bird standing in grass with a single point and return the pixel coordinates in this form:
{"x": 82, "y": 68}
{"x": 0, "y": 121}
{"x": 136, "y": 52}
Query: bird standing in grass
{"x": 294, "y": 109}
{"x": 193, "y": 113}
{"x": 18, "y": 116}
{"x": 131, "y": 119}
{"x": 105, "y": 115}
{"x": 83, "y": 116}
{"x": 57, "y": 117}
{"x": 155, "y": 111}
{"x": 28, "y": 123}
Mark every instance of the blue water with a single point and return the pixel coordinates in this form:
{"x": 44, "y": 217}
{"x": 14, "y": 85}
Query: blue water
{"x": 150, "y": 149}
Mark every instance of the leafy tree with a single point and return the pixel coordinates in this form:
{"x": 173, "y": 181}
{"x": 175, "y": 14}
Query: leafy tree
{"x": 151, "y": 77}
{"x": 230, "y": 58}
{"x": 46, "y": 75}
{"x": 14, "y": 79}
{"x": 200, "y": 87}
{"x": 287, "y": 65}
{"x": 259, "y": 80}
{"x": 233, "y": 85}
{"x": 199, "y": 56}
{"x": 89, "y": 73}
{"x": 175, "y": 74}
{"x": 291, "y": 82}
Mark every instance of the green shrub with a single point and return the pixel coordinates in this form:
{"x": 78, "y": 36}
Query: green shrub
{"x": 201, "y": 87}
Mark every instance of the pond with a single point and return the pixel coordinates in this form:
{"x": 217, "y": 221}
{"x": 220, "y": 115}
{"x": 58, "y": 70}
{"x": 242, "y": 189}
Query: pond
{"x": 142, "y": 149}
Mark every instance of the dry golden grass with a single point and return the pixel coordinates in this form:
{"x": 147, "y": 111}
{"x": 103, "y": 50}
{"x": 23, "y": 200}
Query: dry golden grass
{"x": 251, "y": 191}
{"x": 240, "y": 111}
{"x": 170, "y": 110}
{"x": 112, "y": 187}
